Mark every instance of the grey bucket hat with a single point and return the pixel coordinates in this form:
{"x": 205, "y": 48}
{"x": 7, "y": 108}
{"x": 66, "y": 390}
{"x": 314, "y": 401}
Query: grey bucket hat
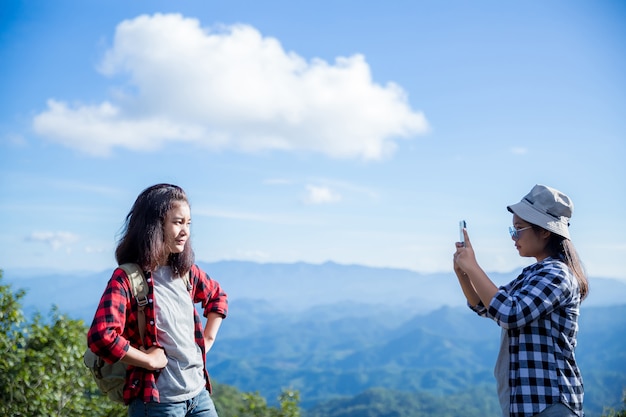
{"x": 547, "y": 208}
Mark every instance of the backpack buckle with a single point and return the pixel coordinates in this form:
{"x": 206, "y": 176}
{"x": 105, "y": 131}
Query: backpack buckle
{"x": 143, "y": 301}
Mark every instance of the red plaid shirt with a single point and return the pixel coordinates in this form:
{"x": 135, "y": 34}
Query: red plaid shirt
{"x": 114, "y": 327}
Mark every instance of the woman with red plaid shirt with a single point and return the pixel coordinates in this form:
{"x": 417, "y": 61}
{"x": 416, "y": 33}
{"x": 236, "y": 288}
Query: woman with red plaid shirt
{"x": 167, "y": 370}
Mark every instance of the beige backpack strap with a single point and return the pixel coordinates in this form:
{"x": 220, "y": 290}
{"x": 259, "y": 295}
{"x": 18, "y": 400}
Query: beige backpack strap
{"x": 139, "y": 289}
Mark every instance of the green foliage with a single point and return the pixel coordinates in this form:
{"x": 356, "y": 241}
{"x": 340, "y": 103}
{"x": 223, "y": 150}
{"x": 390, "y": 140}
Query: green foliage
{"x": 613, "y": 413}
{"x": 230, "y": 402}
{"x": 378, "y": 402}
{"x": 41, "y": 369}
{"x": 289, "y": 400}
{"x": 227, "y": 399}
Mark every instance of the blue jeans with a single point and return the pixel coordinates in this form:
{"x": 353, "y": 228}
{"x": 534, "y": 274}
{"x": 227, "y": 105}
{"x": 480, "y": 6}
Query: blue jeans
{"x": 557, "y": 410}
{"x": 199, "y": 406}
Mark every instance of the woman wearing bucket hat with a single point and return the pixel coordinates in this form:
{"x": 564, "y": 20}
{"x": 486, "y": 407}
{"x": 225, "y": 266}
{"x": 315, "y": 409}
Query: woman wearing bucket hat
{"x": 536, "y": 370}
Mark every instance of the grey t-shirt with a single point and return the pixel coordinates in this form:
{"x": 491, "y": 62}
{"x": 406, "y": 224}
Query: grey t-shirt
{"x": 501, "y": 372}
{"x": 183, "y": 377}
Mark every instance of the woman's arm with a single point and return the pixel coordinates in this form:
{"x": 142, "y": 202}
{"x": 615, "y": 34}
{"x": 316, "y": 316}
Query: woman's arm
{"x": 485, "y": 288}
{"x": 474, "y": 282}
{"x": 213, "y": 323}
{"x": 543, "y": 288}
{"x": 468, "y": 289}
{"x": 209, "y": 293}
{"x": 105, "y": 337}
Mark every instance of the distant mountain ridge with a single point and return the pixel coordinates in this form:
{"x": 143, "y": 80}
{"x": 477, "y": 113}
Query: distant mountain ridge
{"x": 444, "y": 352}
{"x": 334, "y": 331}
{"x": 288, "y": 287}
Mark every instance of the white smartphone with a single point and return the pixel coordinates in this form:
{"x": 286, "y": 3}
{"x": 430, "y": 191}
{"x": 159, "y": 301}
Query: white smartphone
{"x": 462, "y": 225}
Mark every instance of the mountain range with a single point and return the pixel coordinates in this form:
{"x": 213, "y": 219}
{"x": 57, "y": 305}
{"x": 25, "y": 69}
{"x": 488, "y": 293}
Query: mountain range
{"x": 289, "y": 287}
{"x": 334, "y": 331}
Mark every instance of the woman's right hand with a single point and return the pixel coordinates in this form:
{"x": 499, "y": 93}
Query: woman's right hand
{"x": 152, "y": 358}
{"x": 157, "y": 359}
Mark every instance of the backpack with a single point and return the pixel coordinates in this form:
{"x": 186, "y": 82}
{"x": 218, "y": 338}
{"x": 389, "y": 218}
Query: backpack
{"x": 110, "y": 378}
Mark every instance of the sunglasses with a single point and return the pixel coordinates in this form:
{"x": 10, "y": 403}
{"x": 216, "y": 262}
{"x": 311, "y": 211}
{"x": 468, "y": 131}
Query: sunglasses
{"x": 515, "y": 232}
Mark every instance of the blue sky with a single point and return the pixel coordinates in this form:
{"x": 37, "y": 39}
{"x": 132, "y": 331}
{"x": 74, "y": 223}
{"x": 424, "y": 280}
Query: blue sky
{"x": 355, "y": 132}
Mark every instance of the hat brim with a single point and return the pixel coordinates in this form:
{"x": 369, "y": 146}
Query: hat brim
{"x": 533, "y": 216}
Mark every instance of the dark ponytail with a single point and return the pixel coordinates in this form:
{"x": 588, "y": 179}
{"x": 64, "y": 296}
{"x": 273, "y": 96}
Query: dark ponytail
{"x": 563, "y": 248}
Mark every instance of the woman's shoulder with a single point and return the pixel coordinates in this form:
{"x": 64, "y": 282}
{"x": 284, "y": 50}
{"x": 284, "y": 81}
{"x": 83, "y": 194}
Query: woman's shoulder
{"x": 196, "y": 273}
{"x": 119, "y": 275}
{"x": 548, "y": 268}
{"x": 554, "y": 272}
{"x": 554, "y": 265}
{"x": 203, "y": 283}
{"x": 118, "y": 284}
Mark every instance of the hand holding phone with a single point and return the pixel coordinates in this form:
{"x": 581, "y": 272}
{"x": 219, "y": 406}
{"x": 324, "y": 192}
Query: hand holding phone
{"x": 462, "y": 225}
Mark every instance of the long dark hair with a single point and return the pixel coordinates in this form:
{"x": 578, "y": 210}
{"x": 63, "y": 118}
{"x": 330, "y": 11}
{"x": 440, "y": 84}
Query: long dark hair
{"x": 562, "y": 248}
{"x": 142, "y": 240}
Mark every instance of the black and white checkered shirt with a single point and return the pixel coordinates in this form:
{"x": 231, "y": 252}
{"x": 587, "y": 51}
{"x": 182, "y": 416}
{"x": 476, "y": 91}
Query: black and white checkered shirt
{"x": 539, "y": 309}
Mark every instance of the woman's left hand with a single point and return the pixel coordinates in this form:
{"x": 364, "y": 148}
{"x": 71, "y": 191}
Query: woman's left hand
{"x": 464, "y": 257}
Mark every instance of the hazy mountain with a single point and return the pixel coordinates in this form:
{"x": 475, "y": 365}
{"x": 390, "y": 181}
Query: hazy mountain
{"x": 289, "y": 287}
{"x": 334, "y": 331}
{"x": 443, "y": 352}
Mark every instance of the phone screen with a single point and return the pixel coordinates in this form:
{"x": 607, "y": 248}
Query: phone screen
{"x": 462, "y": 225}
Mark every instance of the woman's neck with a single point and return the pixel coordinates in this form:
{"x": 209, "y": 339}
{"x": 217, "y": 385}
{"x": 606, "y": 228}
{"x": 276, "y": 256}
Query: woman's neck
{"x": 164, "y": 261}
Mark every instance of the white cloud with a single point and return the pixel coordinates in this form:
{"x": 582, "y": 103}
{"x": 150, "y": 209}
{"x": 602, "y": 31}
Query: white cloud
{"x": 56, "y": 240}
{"x": 230, "y": 87}
{"x": 519, "y": 150}
{"x": 320, "y": 195}
{"x": 97, "y": 129}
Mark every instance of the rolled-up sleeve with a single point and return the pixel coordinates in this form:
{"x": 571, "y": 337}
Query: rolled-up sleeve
{"x": 104, "y": 337}
{"x": 479, "y": 309}
{"x": 209, "y": 293}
